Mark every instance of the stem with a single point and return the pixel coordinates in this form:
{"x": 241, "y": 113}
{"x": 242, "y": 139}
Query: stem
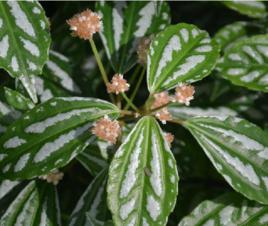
{"x": 124, "y": 112}
{"x": 158, "y": 108}
{"x": 136, "y": 89}
{"x": 100, "y": 65}
{"x": 98, "y": 59}
{"x": 129, "y": 102}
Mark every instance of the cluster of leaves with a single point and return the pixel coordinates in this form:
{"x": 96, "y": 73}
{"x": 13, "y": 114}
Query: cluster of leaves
{"x": 46, "y": 114}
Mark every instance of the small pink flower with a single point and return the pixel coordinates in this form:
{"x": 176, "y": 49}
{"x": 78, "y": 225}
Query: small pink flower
{"x": 163, "y": 115}
{"x": 169, "y": 138}
{"x": 118, "y": 85}
{"x": 107, "y": 130}
{"x": 85, "y": 24}
{"x": 184, "y": 94}
{"x": 53, "y": 177}
{"x": 161, "y": 99}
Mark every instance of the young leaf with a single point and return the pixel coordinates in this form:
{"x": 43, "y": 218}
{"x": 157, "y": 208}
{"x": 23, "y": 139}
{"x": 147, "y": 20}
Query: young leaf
{"x": 124, "y": 24}
{"x": 92, "y": 202}
{"x": 238, "y": 150}
{"x": 92, "y": 159}
{"x": 245, "y": 64}
{"x": 50, "y": 135}
{"x": 228, "y": 209}
{"x": 24, "y": 41}
{"x": 180, "y": 112}
{"x": 143, "y": 179}
{"x": 17, "y": 100}
{"x": 181, "y": 53}
{"x": 37, "y": 204}
{"x": 254, "y": 9}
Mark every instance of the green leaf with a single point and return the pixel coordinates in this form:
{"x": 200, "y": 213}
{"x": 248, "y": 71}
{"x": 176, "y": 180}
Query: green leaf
{"x": 228, "y": 209}
{"x": 50, "y": 135}
{"x": 92, "y": 202}
{"x": 58, "y": 70}
{"x": 254, "y": 9}
{"x": 24, "y": 41}
{"x": 93, "y": 222}
{"x": 181, "y": 112}
{"x": 238, "y": 150}
{"x": 181, "y": 53}
{"x": 143, "y": 178}
{"x": 245, "y": 64}
{"x": 37, "y": 204}
{"x": 124, "y": 24}
{"x": 7, "y": 115}
{"x": 17, "y": 100}
{"x": 6, "y": 186}
{"x": 230, "y": 33}
{"x": 47, "y": 89}
{"x": 92, "y": 159}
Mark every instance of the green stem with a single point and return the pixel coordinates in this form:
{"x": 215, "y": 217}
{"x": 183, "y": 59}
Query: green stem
{"x": 129, "y": 102}
{"x": 136, "y": 88}
{"x": 100, "y": 65}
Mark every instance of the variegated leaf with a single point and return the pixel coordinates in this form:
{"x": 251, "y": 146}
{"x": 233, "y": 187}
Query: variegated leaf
{"x": 238, "y": 150}
{"x": 6, "y": 186}
{"x": 47, "y": 89}
{"x": 181, "y": 53}
{"x": 50, "y": 135}
{"x": 17, "y": 100}
{"x": 230, "y": 33}
{"x": 124, "y": 23}
{"x": 58, "y": 70}
{"x": 180, "y": 112}
{"x": 228, "y": 210}
{"x": 92, "y": 202}
{"x": 143, "y": 179}
{"x": 245, "y": 64}
{"x": 91, "y": 158}
{"x": 253, "y": 8}
{"x": 7, "y": 115}
{"x": 36, "y": 204}
{"x": 24, "y": 41}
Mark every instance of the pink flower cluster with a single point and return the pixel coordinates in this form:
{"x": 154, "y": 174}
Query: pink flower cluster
{"x": 107, "y": 130}
{"x": 117, "y": 85}
{"x": 85, "y": 24}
